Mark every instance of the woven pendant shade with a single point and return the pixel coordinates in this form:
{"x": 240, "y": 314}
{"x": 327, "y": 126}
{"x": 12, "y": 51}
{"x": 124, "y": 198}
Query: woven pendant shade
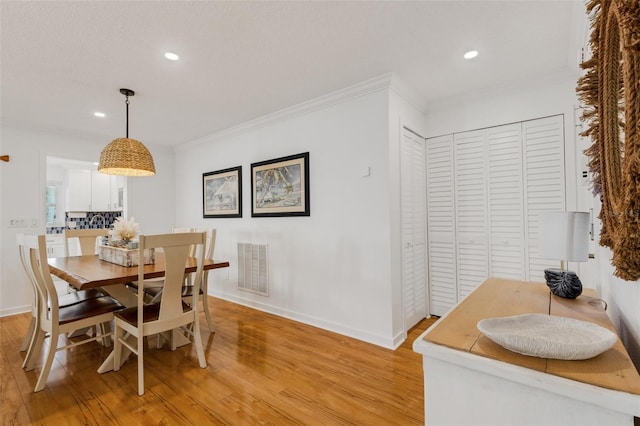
{"x": 126, "y": 157}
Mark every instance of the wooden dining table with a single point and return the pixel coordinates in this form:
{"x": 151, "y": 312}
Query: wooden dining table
{"x": 84, "y": 272}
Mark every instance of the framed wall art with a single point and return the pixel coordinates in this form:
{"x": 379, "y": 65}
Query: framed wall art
{"x": 222, "y": 193}
{"x": 280, "y": 187}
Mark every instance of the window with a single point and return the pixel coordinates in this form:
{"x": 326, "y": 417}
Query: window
{"x": 51, "y": 202}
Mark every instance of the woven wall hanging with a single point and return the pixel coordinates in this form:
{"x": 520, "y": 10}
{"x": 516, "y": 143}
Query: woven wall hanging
{"x": 609, "y": 91}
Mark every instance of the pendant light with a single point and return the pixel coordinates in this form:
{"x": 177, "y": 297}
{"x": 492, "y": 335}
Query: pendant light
{"x": 124, "y": 156}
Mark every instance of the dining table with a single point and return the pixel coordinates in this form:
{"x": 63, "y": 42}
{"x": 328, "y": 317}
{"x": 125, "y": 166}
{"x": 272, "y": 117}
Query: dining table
{"x": 84, "y": 272}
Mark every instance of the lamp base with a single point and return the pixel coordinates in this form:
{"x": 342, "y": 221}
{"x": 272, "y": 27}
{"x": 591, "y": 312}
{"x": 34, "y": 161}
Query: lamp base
{"x": 563, "y": 283}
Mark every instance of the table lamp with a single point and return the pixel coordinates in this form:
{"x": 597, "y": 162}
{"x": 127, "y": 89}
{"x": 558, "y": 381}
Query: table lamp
{"x": 564, "y": 236}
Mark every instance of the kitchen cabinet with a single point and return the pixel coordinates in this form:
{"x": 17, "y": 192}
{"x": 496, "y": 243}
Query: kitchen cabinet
{"x": 55, "y": 246}
{"x": 117, "y": 192}
{"x": 100, "y": 191}
{"x": 78, "y": 190}
{"x": 90, "y": 190}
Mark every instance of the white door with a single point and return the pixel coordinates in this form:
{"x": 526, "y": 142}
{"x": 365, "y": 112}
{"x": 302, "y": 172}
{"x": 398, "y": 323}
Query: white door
{"x": 471, "y": 210}
{"x": 441, "y": 225}
{"x": 543, "y": 141}
{"x": 414, "y": 228}
{"x": 506, "y": 202}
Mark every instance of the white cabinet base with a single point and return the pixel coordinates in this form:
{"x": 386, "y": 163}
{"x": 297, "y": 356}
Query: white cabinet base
{"x": 465, "y": 389}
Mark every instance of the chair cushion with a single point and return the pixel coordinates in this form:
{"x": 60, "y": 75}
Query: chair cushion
{"x": 80, "y": 296}
{"x": 151, "y": 312}
{"x": 89, "y": 308}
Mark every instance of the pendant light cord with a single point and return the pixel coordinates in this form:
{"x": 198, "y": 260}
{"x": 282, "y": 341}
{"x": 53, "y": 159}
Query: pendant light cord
{"x": 127, "y": 102}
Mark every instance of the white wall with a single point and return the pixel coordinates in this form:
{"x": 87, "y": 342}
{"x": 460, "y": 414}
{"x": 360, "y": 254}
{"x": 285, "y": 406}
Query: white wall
{"x": 331, "y": 269}
{"x": 22, "y": 182}
{"x": 623, "y": 298}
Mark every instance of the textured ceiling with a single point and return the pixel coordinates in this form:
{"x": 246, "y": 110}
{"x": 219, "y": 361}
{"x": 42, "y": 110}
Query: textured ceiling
{"x": 61, "y": 61}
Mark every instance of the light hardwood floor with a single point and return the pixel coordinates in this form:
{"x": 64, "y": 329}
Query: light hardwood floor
{"x": 262, "y": 369}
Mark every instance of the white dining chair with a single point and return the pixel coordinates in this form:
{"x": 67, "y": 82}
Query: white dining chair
{"x": 63, "y": 301}
{"x": 54, "y": 320}
{"x": 188, "y": 287}
{"x": 169, "y": 313}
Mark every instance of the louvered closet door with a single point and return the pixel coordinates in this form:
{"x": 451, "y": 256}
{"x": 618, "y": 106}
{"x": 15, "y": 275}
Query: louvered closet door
{"x": 414, "y": 228}
{"x": 543, "y": 141}
{"x": 441, "y": 225}
{"x": 506, "y": 202}
{"x": 471, "y": 211}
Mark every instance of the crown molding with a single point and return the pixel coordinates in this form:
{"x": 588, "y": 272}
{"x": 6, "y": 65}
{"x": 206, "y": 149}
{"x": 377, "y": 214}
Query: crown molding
{"x": 376, "y": 84}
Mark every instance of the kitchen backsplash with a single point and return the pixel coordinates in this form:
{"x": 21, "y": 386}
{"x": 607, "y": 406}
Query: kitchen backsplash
{"x": 83, "y": 220}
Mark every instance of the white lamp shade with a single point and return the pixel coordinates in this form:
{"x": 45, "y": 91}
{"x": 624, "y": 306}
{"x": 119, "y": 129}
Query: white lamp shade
{"x": 564, "y": 236}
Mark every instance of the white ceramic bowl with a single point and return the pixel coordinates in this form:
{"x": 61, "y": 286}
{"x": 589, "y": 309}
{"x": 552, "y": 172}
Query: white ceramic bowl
{"x": 548, "y": 336}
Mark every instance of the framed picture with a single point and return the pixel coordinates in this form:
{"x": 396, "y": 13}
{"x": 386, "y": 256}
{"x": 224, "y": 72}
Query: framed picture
{"x": 280, "y": 187}
{"x": 222, "y": 193}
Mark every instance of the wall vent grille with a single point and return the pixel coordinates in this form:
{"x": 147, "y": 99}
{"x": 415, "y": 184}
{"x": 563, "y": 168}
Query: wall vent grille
{"x": 253, "y": 270}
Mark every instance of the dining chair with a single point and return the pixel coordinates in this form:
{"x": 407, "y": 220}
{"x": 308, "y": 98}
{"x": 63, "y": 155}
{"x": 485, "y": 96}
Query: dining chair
{"x": 170, "y": 312}
{"x": 187, "y": 288}
{"x": 87, "y": 239}
{"x": 55, "y": 320}
{"x": 63, "y": 300}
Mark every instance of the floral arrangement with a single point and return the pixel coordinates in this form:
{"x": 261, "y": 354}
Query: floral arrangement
{"x": 124, "y": 230}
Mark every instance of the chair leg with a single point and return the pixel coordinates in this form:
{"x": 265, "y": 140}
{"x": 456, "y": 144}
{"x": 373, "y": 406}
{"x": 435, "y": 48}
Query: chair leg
{"x": 34, "y": 349}
{"x": 44, "y": 374}
{"x": 118, "y": 334}
{"x": 105, "y": 328}
{"x": 28, "y": 337}
{"x": 207, "y": 314}
{"x": 140, "y": 344}
{"x": 198, "y": 342}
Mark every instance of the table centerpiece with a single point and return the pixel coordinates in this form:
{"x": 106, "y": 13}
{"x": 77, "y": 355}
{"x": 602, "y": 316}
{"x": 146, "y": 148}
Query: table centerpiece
{"x": 122, "y": 249}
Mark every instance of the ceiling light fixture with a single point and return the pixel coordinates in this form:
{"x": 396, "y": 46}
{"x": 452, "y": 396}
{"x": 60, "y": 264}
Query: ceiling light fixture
{"x": 99, "y": 114}
{"x": 124, "y": 156}
{"x": 171, "y": 56}
{"x": 471, "y": 54}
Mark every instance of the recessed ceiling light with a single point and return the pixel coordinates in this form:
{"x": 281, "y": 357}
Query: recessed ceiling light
{"x": 99, "y": 114}
{"x": 171, "y": 56}
{"x": 471, "y": 54}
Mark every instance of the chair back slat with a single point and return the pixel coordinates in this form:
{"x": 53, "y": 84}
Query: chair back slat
{"x": 27, "y": 269}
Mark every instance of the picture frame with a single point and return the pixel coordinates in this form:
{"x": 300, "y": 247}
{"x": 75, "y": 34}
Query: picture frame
{"x": 280, "y": 187}
{"x": 222, "y": 193}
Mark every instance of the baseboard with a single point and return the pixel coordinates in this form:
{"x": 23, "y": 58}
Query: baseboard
{"x": 309, "y": 320}
{"x": 399, "y": 339}
{"x": 15, "y": 310}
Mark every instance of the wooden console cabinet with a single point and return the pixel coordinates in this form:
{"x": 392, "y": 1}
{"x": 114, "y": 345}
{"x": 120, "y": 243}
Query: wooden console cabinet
{"x": 470, "y": 380}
